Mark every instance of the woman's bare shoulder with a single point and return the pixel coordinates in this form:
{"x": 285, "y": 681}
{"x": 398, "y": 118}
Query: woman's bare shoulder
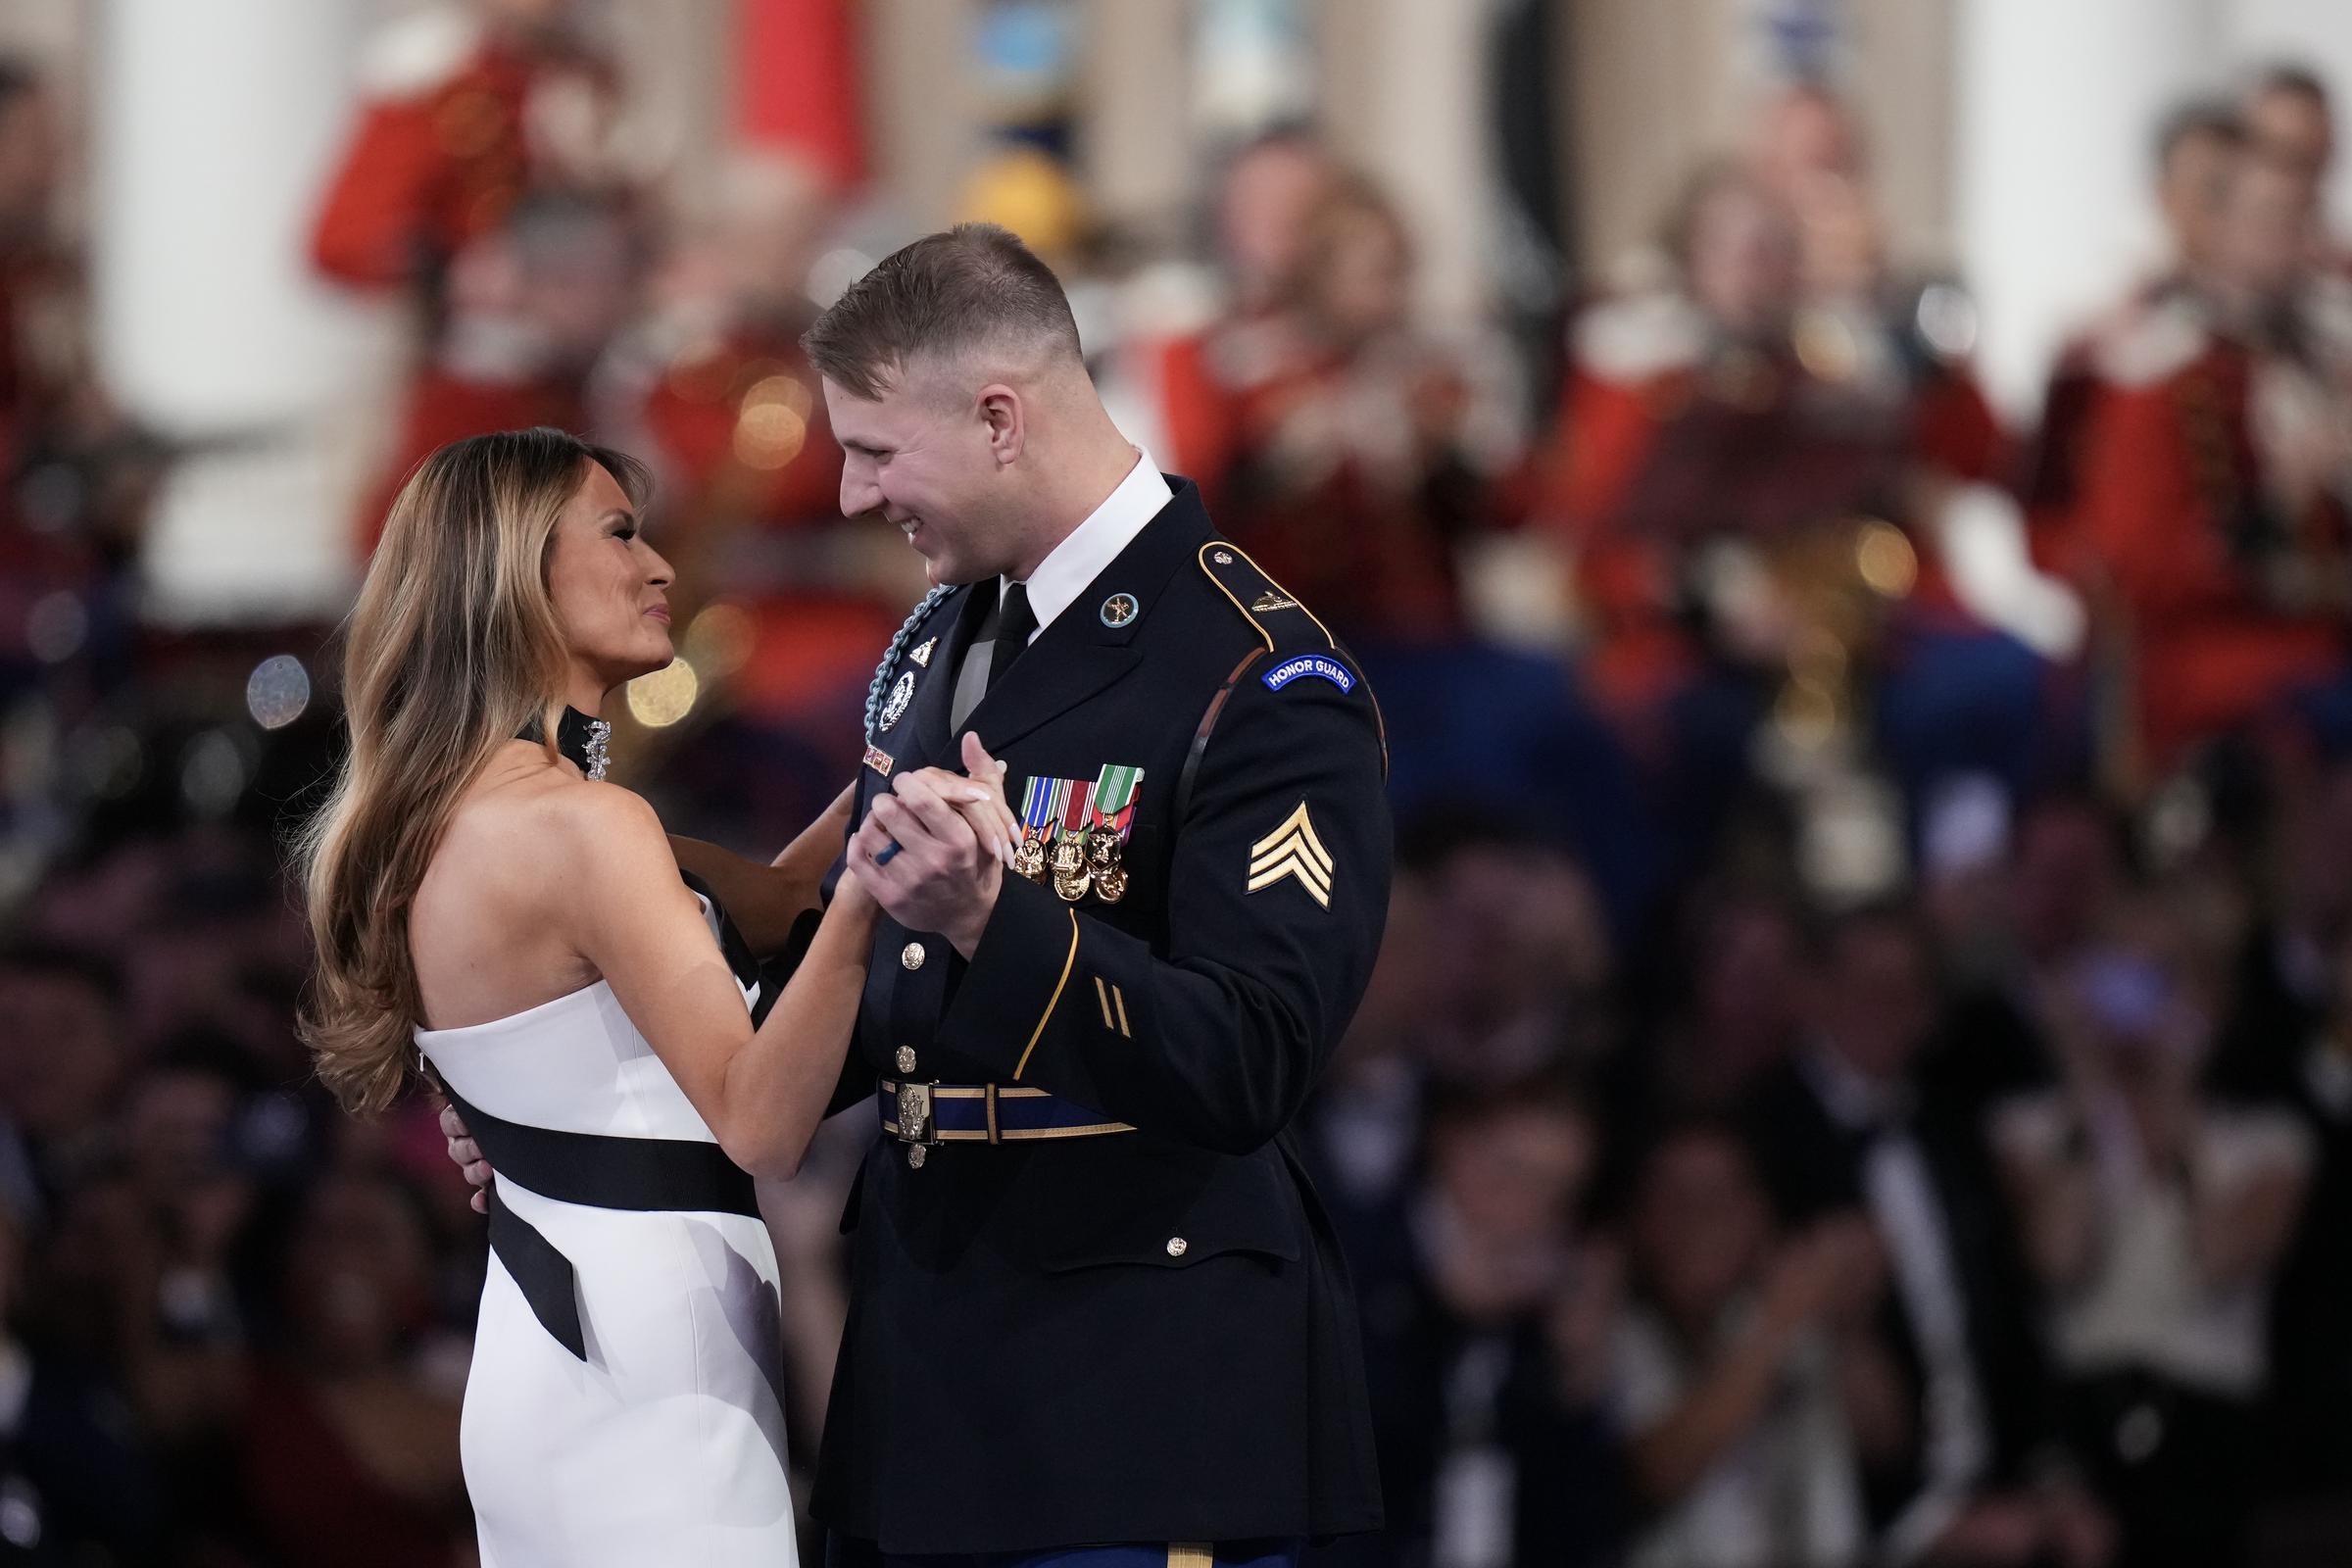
{"x": 522, "y": 827}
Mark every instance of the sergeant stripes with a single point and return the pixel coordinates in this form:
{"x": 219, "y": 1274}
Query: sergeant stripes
{"x": 1292, "y": 851}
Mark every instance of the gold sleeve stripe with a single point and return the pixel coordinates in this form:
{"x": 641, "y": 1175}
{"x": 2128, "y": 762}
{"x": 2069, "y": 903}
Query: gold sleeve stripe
{"x": 1067, "y": 963}
{"x": 1120, "y": 997}
{"x": 1103, "y": 998}
{"x": 1191, "y": 1555}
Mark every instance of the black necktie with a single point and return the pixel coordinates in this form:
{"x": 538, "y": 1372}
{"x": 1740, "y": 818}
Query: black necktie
{"x": 1014, "y": 624}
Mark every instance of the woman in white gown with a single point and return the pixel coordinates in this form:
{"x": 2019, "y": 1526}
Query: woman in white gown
{"x": 477, "y": 894}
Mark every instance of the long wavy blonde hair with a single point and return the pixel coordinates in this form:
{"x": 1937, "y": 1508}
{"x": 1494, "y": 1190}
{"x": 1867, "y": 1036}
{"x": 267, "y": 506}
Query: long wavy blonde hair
{"x": 454, "y": 645}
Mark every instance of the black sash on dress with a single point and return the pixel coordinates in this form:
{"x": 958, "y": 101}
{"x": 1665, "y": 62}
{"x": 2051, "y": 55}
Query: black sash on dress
{"x": 595, "y": 1170}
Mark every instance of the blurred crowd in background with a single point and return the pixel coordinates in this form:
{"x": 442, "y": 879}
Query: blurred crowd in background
{"x": 1857, "y": 1073}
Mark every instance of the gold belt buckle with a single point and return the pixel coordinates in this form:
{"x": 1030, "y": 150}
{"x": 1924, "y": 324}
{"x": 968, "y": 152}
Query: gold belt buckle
{"x": 916, "y": 1129}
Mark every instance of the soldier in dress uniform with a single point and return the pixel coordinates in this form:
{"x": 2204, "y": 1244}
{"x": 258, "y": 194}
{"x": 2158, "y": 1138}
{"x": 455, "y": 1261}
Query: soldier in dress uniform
{"x": 1094, "y": 1302}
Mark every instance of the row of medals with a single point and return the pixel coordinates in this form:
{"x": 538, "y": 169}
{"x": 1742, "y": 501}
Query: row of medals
{"x": 1089, "y": 860}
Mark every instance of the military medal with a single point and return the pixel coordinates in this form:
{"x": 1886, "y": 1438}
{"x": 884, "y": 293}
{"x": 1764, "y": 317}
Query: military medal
{"x": 900, "y": 696}
{"x": 1112, "y": 809}
{"x": 880, "y": 761}
{"x": 1071, "y": 878}
{"x": 1037, "y": 827}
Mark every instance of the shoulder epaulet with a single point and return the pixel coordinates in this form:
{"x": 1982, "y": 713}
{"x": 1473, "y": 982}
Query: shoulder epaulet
{"x": 419, "y": 53}
{"x": 1287, "y": 625}
{"x": 1639, "y": 336}
{"x": 2157, "y": 344}
{"x": 889, "y": 667}
{"x": 1296, "y": 647}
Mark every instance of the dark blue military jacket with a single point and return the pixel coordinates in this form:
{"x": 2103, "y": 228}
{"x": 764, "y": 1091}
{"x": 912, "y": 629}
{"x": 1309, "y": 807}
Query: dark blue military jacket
{"x": 1144, "y": 1334}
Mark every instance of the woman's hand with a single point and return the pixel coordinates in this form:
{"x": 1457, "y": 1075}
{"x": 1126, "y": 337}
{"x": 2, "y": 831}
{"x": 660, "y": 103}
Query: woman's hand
{"x": 979, "y": 797}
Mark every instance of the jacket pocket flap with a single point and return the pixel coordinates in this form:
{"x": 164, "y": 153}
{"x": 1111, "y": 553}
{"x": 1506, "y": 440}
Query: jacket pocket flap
{"x": 1174, "y": 1215}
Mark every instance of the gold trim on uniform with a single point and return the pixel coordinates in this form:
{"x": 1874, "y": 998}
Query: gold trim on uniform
{"x": 1191, "y": 1554}
{"x": 1293, "y": 850}
{"x": 1068, "y": 962}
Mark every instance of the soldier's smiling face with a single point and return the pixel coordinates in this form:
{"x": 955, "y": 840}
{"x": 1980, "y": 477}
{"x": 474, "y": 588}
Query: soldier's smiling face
{"x": 927, "y": 457}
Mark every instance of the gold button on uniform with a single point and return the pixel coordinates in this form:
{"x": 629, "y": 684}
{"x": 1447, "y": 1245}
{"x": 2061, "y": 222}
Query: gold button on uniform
{"x": 906, "y": 1059}
{"x": 912, "y": 955}
{"x": 1177, "y": 1245}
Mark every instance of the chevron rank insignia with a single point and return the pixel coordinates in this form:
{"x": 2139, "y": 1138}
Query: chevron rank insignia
{"x": 1292, "y": 851}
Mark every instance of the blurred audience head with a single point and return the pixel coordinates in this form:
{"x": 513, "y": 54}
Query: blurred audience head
{"x": 1516, "y": 945}
{"x": 1744, "y": 952}
{"x": 357, "y": 1272}
{"x": 2069, "y": 863}
{"x": 1699, "y": 1225}
{"x": 1355, "y": 264}
{"x": 62, "y": 1050}
{"x": 1871, "y": 996}
{"x": 2198, "y": 147}
{"x": 2289, "y": 119}
{"x": 1735, "y": 247}
{"x": 1512, "y": 1163}
{"x": 1269, "y": 189}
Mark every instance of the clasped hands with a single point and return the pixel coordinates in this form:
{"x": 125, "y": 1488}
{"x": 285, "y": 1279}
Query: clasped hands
{"x": 956, "y": 836}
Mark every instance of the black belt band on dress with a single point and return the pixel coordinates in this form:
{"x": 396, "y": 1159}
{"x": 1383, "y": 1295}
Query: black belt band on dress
{"x": 595, "y": 1170}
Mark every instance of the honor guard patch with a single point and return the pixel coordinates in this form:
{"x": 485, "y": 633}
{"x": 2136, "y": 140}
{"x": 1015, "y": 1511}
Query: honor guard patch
{"x": 1315, "y": 664}
{"x": 900, "y": 696}
{"x": 1292, "y": 851}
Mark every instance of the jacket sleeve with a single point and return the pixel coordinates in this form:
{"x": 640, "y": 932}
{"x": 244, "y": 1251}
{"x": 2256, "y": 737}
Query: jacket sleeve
{"x": 1278, "y": 890}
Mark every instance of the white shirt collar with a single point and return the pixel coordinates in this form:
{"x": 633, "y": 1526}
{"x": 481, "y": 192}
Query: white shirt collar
{"x": 1093, "y": 544}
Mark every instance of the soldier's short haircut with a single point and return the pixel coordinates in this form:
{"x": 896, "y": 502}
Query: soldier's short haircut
{"x": 948, "y": 294}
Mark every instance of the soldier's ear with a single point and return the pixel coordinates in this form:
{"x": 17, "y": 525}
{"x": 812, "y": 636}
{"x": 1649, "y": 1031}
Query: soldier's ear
{"x": 1005, "y": 421}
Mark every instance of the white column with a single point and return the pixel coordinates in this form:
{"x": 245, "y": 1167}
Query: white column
{"x": 1416, "y": 114}
{"x": 214, "y": 126}
{"x": 2057, "y": 104}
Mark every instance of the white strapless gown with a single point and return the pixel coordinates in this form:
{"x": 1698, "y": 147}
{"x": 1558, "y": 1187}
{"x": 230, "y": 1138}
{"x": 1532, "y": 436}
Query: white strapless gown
{"x": 666, "y": 1443}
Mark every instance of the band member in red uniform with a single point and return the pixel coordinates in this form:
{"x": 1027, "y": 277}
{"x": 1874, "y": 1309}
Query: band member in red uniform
{"x": 467, "y": 108}
{"x": 1348, "y": 475}
{"x": 2216, "y": 478}
{"x": 1269, "y": 193}
{"x": 2196, "y": 148}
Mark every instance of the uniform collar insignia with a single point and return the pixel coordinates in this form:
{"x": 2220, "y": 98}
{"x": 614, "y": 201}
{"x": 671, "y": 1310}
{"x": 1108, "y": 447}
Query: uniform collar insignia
{"x": 922, "y": 656}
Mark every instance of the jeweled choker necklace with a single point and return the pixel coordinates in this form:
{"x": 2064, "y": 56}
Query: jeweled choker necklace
{"x": 578, "y": 737}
